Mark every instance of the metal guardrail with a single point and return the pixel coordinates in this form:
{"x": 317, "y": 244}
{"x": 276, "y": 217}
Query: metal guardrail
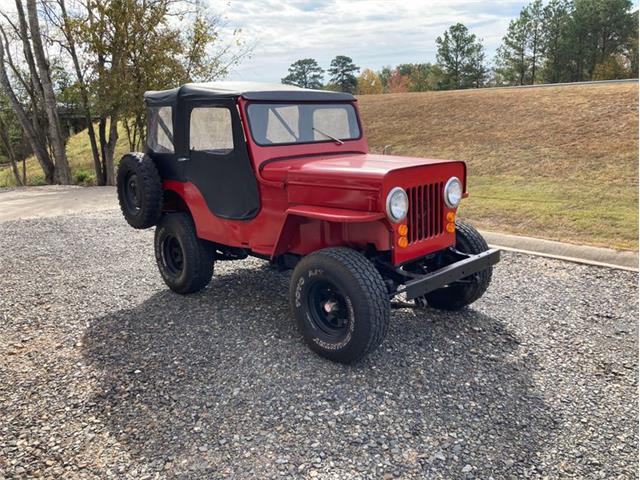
{"x": 537, "y": 85}
{"x": 564, "y": 84}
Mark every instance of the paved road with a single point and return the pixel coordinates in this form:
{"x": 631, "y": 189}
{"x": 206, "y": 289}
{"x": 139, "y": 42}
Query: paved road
{"x": 53, "y": 200}
{"x": 106, "y": 374}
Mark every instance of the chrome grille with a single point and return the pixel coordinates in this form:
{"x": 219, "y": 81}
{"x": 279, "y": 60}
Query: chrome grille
{"x": 426, "y": 210}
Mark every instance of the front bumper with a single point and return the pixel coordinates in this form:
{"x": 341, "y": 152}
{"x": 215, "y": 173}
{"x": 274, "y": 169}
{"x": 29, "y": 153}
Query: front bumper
{"x": 451, "y": 273}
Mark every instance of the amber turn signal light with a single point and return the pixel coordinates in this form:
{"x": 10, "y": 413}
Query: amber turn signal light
{"x": 451, "y": 216}
{"x": 451, "y": 227}
{"x": 403, "y": 230}
{"x": 403, "y": 242}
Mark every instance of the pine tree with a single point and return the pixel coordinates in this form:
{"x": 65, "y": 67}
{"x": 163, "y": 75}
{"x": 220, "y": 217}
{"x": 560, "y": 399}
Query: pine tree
{"x": 342, "y": 71}
{"x": 512, "y": 60}
{"x": 535, "y": 27}
{"x": 461, "y": 58}
{"x": 476, "y": 70}
{"x": 557, "y": 18}
{"x": 305, "y": 73}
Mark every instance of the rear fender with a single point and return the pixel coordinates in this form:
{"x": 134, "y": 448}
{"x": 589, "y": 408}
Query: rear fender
{"x": 306, "y": 229}
{"x": 174, "y": 197}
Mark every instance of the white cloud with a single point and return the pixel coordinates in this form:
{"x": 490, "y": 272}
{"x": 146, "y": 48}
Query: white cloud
{"x": 373, "y": 32}
{"x": 7, "y": 6}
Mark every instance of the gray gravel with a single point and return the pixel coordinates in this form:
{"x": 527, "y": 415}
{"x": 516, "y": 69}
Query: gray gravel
{"x": 106, "y": 374}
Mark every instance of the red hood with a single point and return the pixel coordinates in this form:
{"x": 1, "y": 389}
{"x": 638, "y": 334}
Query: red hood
{"x": 358, "y": 170}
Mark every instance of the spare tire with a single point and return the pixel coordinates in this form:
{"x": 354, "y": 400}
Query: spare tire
{"x": 139, "y": 190}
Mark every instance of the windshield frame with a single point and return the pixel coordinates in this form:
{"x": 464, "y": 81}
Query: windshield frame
{"x": 314, "y": 142}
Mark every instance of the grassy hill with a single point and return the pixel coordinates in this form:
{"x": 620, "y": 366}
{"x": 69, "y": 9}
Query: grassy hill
{"x": 553, "y": 162}
{"x": 80, "y": 159}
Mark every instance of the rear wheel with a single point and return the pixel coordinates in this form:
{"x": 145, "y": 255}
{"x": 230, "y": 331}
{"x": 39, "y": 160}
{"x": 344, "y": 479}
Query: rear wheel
{"x": 139, "y": 190}
{"x": 460, "y": 294}
{"x": 185, "y": 262}
{"x": 340, "y": 303}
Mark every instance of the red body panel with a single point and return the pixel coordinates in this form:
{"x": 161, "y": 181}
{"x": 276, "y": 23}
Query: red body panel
{"x": 322, "y": 194}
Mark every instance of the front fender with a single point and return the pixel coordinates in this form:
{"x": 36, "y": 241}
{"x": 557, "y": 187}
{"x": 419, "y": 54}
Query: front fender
{"x": 307, "y": 228}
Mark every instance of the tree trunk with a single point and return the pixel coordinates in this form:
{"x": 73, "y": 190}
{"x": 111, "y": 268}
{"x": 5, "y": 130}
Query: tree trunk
{"x": 533, "y": 59}
{"x": 5, "y": 141}
{"x": 111, "y": 149}
{"x": 34, "y": 139}
{"x": 130, "y": 135}
{"x": 38, "y": 116}
{"x": 142, "y": 133}
{"x": 108, "y": 146}
{"x": 102, "y": 135}
{"x": 100, "y": 179}
{"x": 28, "y": 55}
{"x": 56, "y": 138}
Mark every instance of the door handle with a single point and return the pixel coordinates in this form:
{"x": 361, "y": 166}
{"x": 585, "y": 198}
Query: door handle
{"x": 183, "y": 159}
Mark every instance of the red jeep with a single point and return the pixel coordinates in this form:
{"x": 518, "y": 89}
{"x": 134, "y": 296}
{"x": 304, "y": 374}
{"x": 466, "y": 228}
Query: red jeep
{"x": 284, "y": 174}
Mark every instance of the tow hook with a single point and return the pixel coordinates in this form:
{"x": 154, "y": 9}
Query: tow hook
{"x": 421, "y": 302}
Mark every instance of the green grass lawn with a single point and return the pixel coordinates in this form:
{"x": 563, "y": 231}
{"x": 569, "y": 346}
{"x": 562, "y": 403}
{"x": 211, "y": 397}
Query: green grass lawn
{"x": 578, "y": 212}
{"x": 80, "y": 160}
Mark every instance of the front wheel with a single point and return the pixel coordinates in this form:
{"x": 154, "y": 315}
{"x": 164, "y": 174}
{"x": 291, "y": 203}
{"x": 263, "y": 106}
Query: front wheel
{"x": 185, "y": 262}
{"x": 340, "y": 303}
{"x": 460, "y": 294}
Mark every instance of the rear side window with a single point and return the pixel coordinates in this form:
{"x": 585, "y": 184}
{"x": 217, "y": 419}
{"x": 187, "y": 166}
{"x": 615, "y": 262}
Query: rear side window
{"x": 160, "y": 129}
{"x": 211, "y": 130}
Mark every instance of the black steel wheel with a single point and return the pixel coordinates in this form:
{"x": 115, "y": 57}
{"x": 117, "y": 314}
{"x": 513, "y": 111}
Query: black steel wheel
{"x": 172, "y": 255}
{"x": 460, "y": 294}
{"x": 340, "y": 304}
{"x": 328, "y": 309}
{"x": 131, "y": 197}
{"x": 185, "y": 262}
{"x": 139, "y": 190}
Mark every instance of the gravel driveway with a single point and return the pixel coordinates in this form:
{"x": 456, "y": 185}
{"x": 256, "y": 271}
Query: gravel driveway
{"x": 106, "y": 374}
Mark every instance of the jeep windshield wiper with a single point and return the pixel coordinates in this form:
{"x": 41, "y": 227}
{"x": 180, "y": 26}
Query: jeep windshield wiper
{"x": 337, "y": 140}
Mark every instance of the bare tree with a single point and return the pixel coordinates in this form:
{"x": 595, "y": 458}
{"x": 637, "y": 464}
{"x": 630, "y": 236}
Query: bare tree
{"x": 56, "y": 136}
{"x": 34, "y": 139}
{"x": 65, "y": 23}
{"x": 5, "y": 142}
{"x": 117, "y": 50}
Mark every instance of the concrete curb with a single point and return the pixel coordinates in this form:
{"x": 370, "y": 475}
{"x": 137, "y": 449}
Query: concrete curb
{"x": 603, "y": 257}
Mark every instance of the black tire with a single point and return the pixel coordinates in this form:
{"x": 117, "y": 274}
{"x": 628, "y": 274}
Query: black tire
{"x": 340, "y": 303}
{"x": 139, "y": 190}
{"x": 459, "y": 295}
{"x": 185, "y": 262}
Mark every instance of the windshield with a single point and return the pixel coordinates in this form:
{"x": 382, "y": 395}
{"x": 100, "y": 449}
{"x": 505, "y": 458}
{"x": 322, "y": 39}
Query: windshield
{"x": 287, "y": 123}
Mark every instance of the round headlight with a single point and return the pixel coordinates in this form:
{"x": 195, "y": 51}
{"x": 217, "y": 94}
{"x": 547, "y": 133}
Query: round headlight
{"x": 453, "y": 192}
{"x": 397, "y": 204}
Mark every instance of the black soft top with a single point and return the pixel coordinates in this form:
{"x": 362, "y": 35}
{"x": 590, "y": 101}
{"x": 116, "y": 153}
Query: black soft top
{"x": 249, "y": 90}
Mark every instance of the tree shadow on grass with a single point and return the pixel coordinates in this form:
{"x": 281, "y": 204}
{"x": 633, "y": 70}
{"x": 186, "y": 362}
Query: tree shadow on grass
{"x": 220, "y": 383}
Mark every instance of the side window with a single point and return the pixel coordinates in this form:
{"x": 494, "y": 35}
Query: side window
{"x": 160, "y": 129}
{"x": 210, "y": 130}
